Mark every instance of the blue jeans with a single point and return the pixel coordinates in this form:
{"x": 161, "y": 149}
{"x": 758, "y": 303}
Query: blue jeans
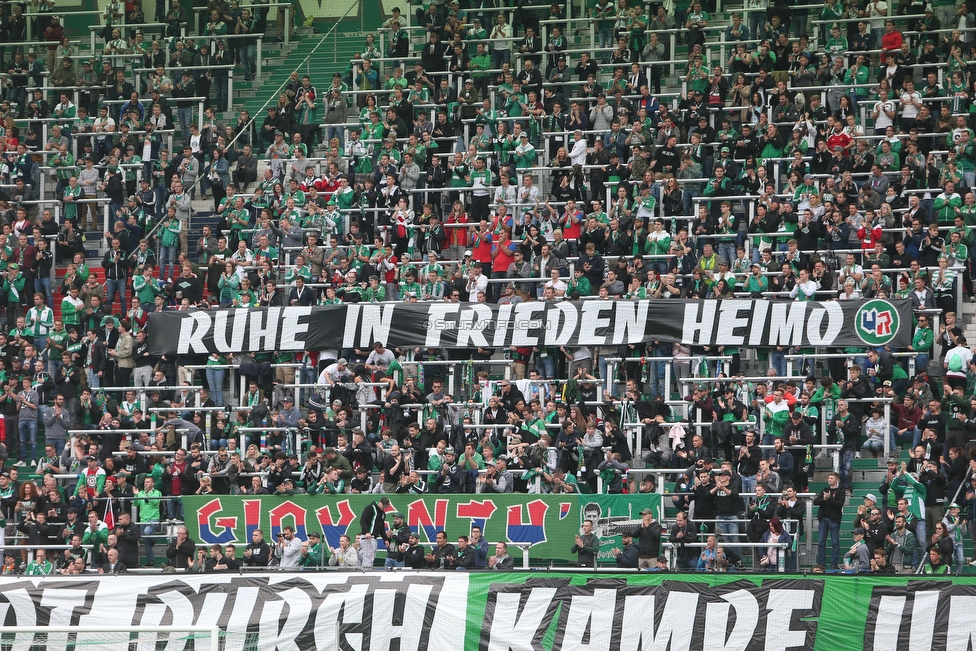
{"x": 18, "y": 94}
{"x": 115, "y": 286}
{"x": 498, "y": 57}
{"x": 186, "y": 119}
{"x": 728, "y": 528}
{"x": 148, "y": 537}
{"x": 833, "y": 528}
{"x": 94, "y": 381}
{"x": 28, "y": 427}
{"x": 546, "y": 367}
{"x": 727, "y": 251}
{"x": 657, "y": 379}
{"x": 389, "y": 562}
{"x": 215, "y": 380}
{"x": 916, "y": 437}
{"x": 846, "y": 459}
{"x": 923, "y": 543}
{"x": 603, "y": 365}
{"x": 167, "y": 260}
{"x": 748, "y": 486}
{"x": 42, "y": 284}
{"x": 777, "y": 360}
{"x": 756, "y": 18}
{"x": 606, "y": 37}
{"x": 958, "y": 558}
{"x": 800, "y": 24}
{"x": 246, "y": 54}
{"x": 921, "y": 363}
{"x": 495, "y": 289}
{"x": 57, "y": 443}
{"x": 53, "y": 366}
{"x": 40, "y": 343}
{"x": 176, "y": 509}
{"x": 333, "y": 131}
{"x": 873, "y": 445}
{"x": 686, "y": 201}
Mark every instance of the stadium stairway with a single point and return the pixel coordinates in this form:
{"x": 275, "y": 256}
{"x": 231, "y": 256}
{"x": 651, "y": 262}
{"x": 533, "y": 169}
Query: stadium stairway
{"x": 333, "y": 56}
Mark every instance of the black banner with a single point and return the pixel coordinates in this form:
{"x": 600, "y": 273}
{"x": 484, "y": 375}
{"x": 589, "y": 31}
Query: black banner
{"x": 732, "y": 322}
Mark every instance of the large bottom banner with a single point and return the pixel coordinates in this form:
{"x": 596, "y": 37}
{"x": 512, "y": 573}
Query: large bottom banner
{"x": 545, "y": 524}
{"x": 435, "y": 611}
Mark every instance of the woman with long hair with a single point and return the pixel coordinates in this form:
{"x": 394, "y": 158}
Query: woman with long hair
{"x": 739, "y": 97}
{"x": 370, "y": 106}
{"x": 757, "y": 109}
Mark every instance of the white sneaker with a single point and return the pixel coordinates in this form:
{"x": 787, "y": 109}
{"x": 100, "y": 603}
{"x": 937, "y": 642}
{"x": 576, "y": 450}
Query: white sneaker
{"x": 20, "y": 464}
{"x": 973, "y": 562}
{"x": 33, "y": 463}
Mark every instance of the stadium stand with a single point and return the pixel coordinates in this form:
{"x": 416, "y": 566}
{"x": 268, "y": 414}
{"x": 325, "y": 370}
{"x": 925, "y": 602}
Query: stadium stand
{"x": 460, "y": 153}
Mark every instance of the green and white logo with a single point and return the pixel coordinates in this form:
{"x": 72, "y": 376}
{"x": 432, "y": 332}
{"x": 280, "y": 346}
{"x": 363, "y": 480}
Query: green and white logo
{"x": 876, "y": 322}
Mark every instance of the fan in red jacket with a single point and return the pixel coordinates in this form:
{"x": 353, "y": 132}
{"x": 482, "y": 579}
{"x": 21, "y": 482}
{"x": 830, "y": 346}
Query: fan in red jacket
{"x": 891, "y": 40}
{"x": 840, "y": 139}
{"x": 869, "y": 236}
{"x": 329, "y": 183}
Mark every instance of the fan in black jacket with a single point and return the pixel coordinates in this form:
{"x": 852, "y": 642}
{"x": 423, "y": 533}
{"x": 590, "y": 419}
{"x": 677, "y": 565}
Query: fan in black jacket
{"x": 791, "y": 507}
{"x": 820, "y": 162}
{"x": 258, "y": 552}
{"x": 684, "y": 531}
{"x": 187, "y": 286}
{"x": 413, "y": 557}
{"x": 432, "y": 56}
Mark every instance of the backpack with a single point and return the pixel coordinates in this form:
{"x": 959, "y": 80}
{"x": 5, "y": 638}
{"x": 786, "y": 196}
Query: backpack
{"x": 830, "y": 259}
{"x": 956, "y": 364}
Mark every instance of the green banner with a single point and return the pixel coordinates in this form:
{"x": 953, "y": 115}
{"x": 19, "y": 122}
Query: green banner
{"x": 546, "y": 522}
{"x": 614, "y": 515}
{"x": 689, "y": 612}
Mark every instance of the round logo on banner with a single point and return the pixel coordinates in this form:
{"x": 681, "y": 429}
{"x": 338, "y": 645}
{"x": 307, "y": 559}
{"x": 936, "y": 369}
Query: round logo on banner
{"x": 876, "y": 322}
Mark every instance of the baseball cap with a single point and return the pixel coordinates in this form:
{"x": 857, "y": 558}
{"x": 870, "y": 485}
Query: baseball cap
{"x": 858, "y": 532}
{"x": 342, "y": 361}
{"x": 872, "y": 497}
